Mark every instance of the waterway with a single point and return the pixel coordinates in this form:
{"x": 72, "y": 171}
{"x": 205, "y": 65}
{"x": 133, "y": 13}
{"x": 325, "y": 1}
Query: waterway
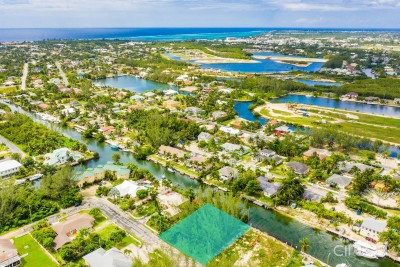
{"x": 262, "y": 66}
{"x": 339, "y": 104}
{"x": 322, "y": 244}
{"x": 242, "y": 108}
{"x": 313, "y": 83}
{"x": 133, "y": 84}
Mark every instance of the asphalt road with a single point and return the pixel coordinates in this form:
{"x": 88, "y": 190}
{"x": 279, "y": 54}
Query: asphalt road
{"x": 13, "y": 148}
{"x": 124, "y": 221}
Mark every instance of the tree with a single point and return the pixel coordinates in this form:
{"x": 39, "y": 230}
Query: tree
{"x": 189, "y": 193}
{"x": 114, "y": 193}
{"x": 290, "y": 189}
{"x": 305, "y": 244}
{"x": 142, "y": 193}
{"x": 95, "y": 212}
{"x": 116, "y": 157}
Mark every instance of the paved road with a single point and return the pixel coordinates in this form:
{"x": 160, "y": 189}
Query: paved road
{"x": 124, "y": 221}
{"x": 13, "y": 148}
{"x": 24, "y": 75}
{"x": 62, "y": 74}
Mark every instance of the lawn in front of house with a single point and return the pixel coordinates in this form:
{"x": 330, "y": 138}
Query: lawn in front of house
{"x": 127, "y": 240}
{"x": 36, "y": 256}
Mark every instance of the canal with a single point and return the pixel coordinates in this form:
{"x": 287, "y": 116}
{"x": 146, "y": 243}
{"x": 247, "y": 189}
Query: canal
{"x": 322, "y": 244}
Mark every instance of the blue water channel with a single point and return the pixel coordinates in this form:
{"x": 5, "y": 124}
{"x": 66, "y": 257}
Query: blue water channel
{"x": 262, "y": 66}
{"x": 133, "y": 84}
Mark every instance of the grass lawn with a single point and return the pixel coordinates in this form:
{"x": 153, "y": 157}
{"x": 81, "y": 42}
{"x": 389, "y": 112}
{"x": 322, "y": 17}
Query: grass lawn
{"x": 105, "y": 234}
{"x": 281, "y": 112}
{"x": 36, "y": 256}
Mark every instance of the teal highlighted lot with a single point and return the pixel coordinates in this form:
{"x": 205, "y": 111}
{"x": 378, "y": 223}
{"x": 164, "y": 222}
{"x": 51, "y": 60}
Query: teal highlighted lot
{"x": 205, "y": 233}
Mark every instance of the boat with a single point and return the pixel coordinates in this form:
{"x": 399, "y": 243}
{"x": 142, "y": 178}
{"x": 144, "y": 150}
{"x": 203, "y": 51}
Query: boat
{"x": 114, "y": 146}
{"x": 308, "y": 95}
{"x": 366, "y": 250}
{"x": 342, "y": 265}
{"x": 171, "y": 170}
{"x": 163, "y": 176}
{"x": 125, "y": 150}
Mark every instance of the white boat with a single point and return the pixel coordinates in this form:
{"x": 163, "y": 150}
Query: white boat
{"x": 342, "y": 265}
{"x": 366, "y": 250}
{"x": 308, "y": 95}
{"x": 163, "y": 176}
{"x": 171, "y": 170}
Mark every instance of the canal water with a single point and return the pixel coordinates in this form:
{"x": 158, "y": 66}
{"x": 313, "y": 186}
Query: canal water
{"x": 242, "y": 108}
{"x": 322, "y": 244}
{"x": 262, "y": 66}
{"x": 339, "y": 104}
{"x": 312, "y": 83}
{"x": 133, "y": 84}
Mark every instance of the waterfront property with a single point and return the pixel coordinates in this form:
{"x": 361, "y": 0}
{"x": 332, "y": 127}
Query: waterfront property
{"x": 372, "y": 228}
{"x": 228, "y": 173}
{"x": 9, "y": 168}
{"x": 205, "y": 233}
{"x": 91, "y": 175}
{"x": 339, "y": 180}
{"x": 61, "y": 156}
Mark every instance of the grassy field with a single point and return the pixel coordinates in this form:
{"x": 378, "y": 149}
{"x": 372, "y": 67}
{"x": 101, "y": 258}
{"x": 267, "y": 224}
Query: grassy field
{"x": 105, "y": 232}
{"x": 97, "y": 220}
{"x": 369, "y": 126}
{"x": 258, "y": 249}
{"x": 36, "y": 256}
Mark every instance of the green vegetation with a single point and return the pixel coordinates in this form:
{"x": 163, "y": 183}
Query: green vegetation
{"x": 21, "y": 205}
{"x": 356, "y": 203}
{"x": 156, "y": 128}
{"x": 36, "y": 256}
{"x": 321, "y": 212}
{"x": 35, "y": 138}
{"x": 111, "y": 234}
{"x": 392, "y": 235}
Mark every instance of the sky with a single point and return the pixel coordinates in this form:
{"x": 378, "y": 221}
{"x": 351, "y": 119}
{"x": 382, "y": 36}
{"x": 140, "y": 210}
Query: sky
{"x": 200, "y": 13}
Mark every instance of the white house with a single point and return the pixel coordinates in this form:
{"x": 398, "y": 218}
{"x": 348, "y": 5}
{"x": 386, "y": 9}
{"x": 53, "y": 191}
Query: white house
{"x": 229, "y": 147}
{"x": 372, "y": 228}
{"x": 229, "y": 130}
{"x": 9, "y": 168}
{"x": 129, "y": 188}
{"x": 228, "y": 173}
{"x": 60, "y": 156}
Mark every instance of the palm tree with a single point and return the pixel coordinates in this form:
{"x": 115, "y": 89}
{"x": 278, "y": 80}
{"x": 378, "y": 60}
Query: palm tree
{"x": 305, "y": 244}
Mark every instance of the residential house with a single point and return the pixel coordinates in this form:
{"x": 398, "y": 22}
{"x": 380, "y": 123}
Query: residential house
{"x": 129, "y": 188}
{"x": 339, "y": 180}
{"x": 110, "y": 258}
{"x": 233, "y": 148}
{"x": 171, "y": 104}
{"x": 149, "y": 94}
{"x": 193, "y": 111}
{"x": 8, "y": 254}
{"x": 269, "y": 155}
{"x": 9, "y": 168}
{"x": 268, "y": 188}
{"x": 298, "y": 167}
{"x": 347, "y": 166}
{"x": 90, "y": 175}
{"x": 229, "y": 130}
{"x": 218, "y": 114}
{"x": 282, "y": 130}
{"x": 314, "y": 194}
{"x": 170, "y": 92}
{"x": 372, "y": 228}
{"x": 67, "y": 229}
{"x": 204, "y": 136}
{"x": 61, "y": 156}
{"x": 137, "y": 97}
{"x": 321, "y": 153}
{"x": 228, "y": 173}
{"x": 371, "y": 99}
{"x": 107, "y": 130}
{"x": 165, "y": 150}
{"x": 397, "y": 101}
{"x": 351, "y": 95}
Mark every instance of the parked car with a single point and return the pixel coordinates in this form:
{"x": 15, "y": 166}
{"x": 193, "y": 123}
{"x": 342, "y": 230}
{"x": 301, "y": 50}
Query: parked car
{"x": 371, "y": 239}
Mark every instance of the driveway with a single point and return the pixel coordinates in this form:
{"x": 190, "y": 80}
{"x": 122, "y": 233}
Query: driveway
{"x": 13, "y": 148}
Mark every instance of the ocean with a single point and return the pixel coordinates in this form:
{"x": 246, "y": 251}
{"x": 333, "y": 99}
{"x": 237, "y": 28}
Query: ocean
{"x": 146, "y": 34}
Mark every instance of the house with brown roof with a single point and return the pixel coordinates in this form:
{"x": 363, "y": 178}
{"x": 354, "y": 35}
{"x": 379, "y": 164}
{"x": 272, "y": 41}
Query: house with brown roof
{"x": 8, "y": 254}
{"x": 67, "y": 229}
